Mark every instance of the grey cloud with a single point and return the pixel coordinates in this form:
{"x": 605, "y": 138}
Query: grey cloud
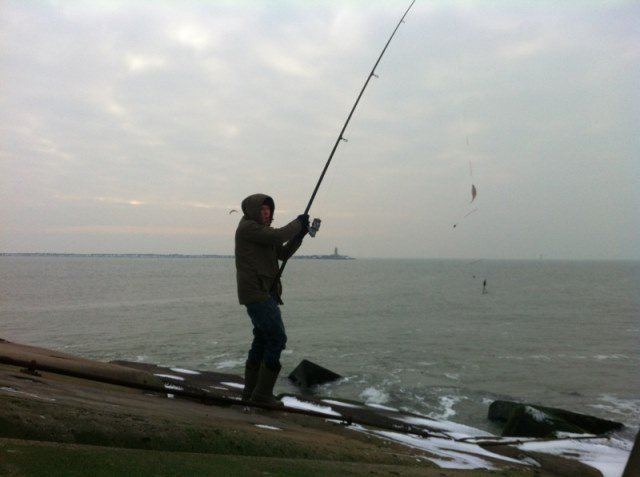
{"x": 188, "y": 108}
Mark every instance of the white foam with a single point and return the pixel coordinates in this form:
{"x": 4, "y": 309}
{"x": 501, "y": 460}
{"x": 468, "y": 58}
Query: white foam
{"x": 609, "y": 460}
{"x": 451, "y": 428}
{"x": 170, "y": 376}
{"x": 340, "y": 403}
{"x": 536, "y": 414}
{"x": 184, "y": 371}
{"x": 426, "y": 363}
{"x": 603, "y": 357}
{"x": 174, "y": 387}
{"x": 271, "y": 428}
{"x": 373, "y": 395}
{"x": 230, "y": 363}
{"x": 234, "y": 385}
{"x": 295, "y": 403}
{"x": 618, "y": 405}
{"x": 450, "y": 454}
{"x": 380, "y": 406}
{"x": 447, "y": 402}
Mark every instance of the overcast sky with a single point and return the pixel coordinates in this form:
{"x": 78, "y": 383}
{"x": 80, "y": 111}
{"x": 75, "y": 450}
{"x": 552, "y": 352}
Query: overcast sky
{"x": 136, "y": 126}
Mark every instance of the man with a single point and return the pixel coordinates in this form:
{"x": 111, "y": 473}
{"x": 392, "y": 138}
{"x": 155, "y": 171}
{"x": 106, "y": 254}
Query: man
{"x": 258, "y": 247}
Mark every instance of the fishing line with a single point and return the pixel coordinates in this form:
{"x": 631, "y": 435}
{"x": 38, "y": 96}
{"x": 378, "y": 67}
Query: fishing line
{"x": 464, "y": 128}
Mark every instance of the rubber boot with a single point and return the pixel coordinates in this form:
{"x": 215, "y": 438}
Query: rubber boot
{"x": 251, "y": 371}
{"x": 263, "y": 392}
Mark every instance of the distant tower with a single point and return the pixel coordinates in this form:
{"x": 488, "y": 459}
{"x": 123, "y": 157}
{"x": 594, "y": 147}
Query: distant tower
{"x": 335, "y": 252}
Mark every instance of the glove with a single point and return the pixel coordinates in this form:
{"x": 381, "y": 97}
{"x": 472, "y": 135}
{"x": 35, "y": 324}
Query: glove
{"x": 304, "y": 222}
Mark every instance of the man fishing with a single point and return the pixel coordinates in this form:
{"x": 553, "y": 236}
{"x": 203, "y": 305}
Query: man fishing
{"x": 258, "y": 247}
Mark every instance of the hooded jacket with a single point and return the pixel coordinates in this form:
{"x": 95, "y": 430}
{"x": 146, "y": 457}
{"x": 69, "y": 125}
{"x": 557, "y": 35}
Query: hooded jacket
{"x": 258, "y": 248}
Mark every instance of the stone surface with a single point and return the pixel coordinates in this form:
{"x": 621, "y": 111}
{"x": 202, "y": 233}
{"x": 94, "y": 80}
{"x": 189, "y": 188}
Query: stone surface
{"x": 531, "y": 420}
{"x": 68, "y": 402}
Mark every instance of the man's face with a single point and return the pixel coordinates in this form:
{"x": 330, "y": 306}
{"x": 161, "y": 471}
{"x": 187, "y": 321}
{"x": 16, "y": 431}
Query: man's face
{"x": 265, "y": 214}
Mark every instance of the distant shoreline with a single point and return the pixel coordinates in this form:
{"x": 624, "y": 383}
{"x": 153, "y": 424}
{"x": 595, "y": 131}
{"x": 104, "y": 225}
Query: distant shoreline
{"x": 153, "y": 255}
{"x": 111, "y": 255}
{"x": 312, "y": 257}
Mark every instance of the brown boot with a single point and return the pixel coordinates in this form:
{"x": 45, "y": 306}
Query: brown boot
{"x": 263, "y": 392}
{"x": 251, "y": 370}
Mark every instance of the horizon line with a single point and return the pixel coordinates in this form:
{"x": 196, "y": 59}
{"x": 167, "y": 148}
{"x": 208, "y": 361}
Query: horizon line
{"x": 220, "y": 255}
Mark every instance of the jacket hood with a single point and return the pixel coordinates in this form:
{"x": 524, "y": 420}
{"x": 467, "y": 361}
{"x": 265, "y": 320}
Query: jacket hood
{"x": 252, "y": 204}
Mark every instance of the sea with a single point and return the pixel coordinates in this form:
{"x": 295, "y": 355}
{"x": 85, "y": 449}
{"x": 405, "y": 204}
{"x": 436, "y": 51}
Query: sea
{"x": 424, "y": 336}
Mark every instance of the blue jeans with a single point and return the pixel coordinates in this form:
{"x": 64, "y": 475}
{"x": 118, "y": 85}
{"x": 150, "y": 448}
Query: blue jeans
{"x": 269, "y": 338}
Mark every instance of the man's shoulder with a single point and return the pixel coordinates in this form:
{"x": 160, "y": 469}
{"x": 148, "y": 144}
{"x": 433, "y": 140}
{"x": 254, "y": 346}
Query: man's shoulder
{"x": 250, "y": 225}
{"x": 245, "y": 224}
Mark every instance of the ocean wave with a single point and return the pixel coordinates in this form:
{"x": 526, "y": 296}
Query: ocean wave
{"x": 446, "y": 404}
{"x": 230, "y": 363}
{"x": 372, "y": 395}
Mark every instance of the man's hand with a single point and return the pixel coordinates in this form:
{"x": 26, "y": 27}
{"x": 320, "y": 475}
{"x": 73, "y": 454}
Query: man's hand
{"x": 304, "y": 222}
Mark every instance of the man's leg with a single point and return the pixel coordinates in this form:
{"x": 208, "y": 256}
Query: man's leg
{"x": 267, "y": 319}
{"x": 256, "y": 354}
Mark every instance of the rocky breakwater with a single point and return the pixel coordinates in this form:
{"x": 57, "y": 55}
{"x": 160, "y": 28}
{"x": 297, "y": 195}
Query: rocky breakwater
{"x": 64, "y": 413}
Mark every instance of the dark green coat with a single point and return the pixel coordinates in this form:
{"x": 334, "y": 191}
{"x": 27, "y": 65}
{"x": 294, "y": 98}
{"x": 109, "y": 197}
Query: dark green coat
{"x": 258, "y": 249}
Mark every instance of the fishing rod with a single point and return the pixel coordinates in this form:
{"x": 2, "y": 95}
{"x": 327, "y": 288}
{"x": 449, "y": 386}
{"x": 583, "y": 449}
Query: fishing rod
{"x": 341, "y": 135}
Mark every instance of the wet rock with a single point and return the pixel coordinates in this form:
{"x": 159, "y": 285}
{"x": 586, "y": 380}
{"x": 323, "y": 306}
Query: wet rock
{"x": 309, "y": 374}
{"x": 530, "y": 420}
